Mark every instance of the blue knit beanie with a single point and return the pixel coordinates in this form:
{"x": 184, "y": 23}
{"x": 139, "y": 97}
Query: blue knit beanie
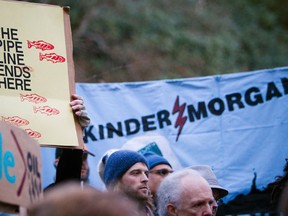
{"x": 118, "y": 163}
{"x": 155, "y": 159}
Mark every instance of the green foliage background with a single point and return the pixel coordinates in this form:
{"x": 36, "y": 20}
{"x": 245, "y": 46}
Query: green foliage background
{"x": 133, "y": 40}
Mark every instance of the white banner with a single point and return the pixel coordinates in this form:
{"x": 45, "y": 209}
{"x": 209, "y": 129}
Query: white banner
{"x": 236, "y": 123}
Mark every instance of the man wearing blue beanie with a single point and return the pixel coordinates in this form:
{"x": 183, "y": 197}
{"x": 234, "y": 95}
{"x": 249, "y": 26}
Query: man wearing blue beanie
{"x": 126, "y": 171}
{"x": 159, "y": 169}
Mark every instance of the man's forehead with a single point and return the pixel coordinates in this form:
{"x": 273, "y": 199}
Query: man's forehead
{"x": 197, "y": 192}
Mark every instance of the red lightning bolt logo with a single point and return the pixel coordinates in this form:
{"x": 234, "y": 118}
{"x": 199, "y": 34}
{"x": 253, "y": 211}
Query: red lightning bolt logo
{"x": 180, "y": 119}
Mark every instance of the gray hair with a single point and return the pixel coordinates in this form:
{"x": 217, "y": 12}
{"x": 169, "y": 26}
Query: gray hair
{"x": 170, "y": 190}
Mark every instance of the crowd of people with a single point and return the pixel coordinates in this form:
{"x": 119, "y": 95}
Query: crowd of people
{"x": 138, "y": 184}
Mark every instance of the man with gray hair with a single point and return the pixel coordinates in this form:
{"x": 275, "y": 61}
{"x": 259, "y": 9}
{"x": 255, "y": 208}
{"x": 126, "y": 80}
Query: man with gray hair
{"x": 217, "y": 190}
{"x": 185, "y": 192}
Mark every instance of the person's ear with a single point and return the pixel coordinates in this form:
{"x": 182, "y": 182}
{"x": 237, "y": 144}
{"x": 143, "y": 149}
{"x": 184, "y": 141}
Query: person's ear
{"x": 171, "y": 209}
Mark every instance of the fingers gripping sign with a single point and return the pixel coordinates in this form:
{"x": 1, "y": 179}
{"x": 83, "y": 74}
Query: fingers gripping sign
{"x": 79, "y": 109}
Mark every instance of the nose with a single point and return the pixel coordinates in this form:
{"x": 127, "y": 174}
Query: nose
{"x": 208, "y": 211}
{"x": 214, "y": 207}
{"x": 144, "y": 177}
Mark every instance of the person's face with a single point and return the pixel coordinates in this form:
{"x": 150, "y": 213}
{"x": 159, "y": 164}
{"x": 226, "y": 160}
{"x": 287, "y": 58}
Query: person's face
{"x": 156, "y": 175}
{"x": 134, "y": 182}
{"x": 216, "y": 196}
{"x": 196, "y": 200}
{"x": 84, "y": 168}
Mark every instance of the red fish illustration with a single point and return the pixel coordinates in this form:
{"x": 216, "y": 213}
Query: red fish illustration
{"x": 40, "y": 44}
{"x": 53, "y": 57}
{"x": 16, "y": 120}
{"x": 46, "y": 110}
{"x": 32, "y": 133}
{"x": 35, "y": 98}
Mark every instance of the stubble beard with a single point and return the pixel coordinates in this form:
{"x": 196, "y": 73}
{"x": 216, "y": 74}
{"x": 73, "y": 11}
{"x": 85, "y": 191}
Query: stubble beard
{"x": 134, "y": 194}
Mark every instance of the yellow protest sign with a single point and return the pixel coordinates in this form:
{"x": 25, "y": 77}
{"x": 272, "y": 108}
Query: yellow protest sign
{"x": 37, "y": 72}
{"x": 20, "y": 168}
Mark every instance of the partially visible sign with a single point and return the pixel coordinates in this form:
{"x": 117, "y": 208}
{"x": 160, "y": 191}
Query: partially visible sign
{"x": 20, "y": 168}
{"x": 37, "y": 72}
